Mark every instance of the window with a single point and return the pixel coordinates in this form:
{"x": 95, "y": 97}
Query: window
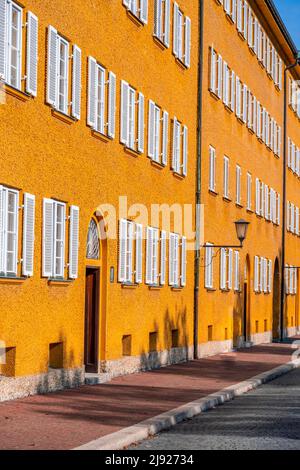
{"x": 9, "y": 223}
{"x": 54, "y": 239}
{"x": 162, "y": 21}
{"x": 132, "y": 111}
{"x": 11, "y": 47}
{"x": 58, "y": 83}
{"x": 226, "y": 269}
{"x": 177, "y": 260}
{"x": 291, "y": 280}
{"x": 158, "y": 135}
{"x": 180, "y": 148}
{"x": 249, "y": 191}
{"x": 182, "y": 36}
{"x": 155, "y": 258}
{"x": 130, "y": 244}
{"x": 238, "y": 184}
{"x": 226, "y": 84}
{"x": 226, "y": 178}
{"x": 209, "y": 271}
{"x": 101, "y": 99}
{"x": 212, "y": 169}
{"x": 93, "y": 245}
{"x": 263, "y": 275}
{"x": 139, "y": 8}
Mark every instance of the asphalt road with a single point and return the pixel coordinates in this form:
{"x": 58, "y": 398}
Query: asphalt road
{"x": 267, "y": 418}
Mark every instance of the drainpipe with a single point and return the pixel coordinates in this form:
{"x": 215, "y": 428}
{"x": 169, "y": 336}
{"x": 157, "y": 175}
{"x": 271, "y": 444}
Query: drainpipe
{"x": 285, "y": 150}
{"x": 198, "y": 181}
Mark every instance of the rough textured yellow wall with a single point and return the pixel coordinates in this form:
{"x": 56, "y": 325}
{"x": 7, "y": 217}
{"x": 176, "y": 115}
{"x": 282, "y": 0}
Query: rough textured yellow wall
{"x": 222, "y": 130}
{"x": 51, "y": 157}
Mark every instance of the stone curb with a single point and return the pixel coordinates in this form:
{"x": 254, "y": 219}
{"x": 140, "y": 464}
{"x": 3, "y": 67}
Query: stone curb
{"x": 133, "y": 434}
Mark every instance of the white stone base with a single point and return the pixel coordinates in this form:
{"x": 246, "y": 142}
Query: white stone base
{"x": 12, "y": 388}
{"x": 214, "y": 347}
{"x": 291, "y": 331}
{"x": 131, "y": 364}
{"x": 261, "y": 338}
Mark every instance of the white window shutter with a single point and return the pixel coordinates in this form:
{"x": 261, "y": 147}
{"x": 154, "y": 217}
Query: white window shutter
{"x": 212, "y": 70}
{"x": 3, "y": 32}
{"x": 112, "y": 81}
{"x": 256, "y": 274}
{"x": 52, "y": 66}
{"x": 171, "y": 259}
{"x": 165, "y": 138}
{"x": 48, "y": 233}
{"x": 167, "y": 23}
{"x": 144, "y": 11}
{"x": 76, "y": 82}
{"x": 141, "y": 123}
{"x": 2, "y": 264}
{"x": 28, "y": 234}
{"x": 258, "y": 196}
{"x": 236, "y": 271}
{"x": 158, "y": 31}
{"x": 232, "y": 94}
{"x": 73, "y": 242}
{"x": 223, "y": 269}
{"x": 124, "y": 112}
{"x": 32, "y": 54}
{"x": 151, "y": 136}
{"x": 163, "y": 254}
{"x": 139, "y": 253}
{"x": 175, "y": 30}
{"x": 149, "y": 259}
{"x": 92, "y": 92}
{"x": 270, "y": 276}
{"x": 185, "y": 145}
{"x": 278, "y": 209}
{"x": 176, "y": 146}
{"x": 230, "y": 270}
{"x": 122, "y": 250}
{"x": 187, "y": 53}
{"x": 183, "y": 262}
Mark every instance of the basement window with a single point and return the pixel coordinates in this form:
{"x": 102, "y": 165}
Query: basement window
{"x": 56, "y": 355}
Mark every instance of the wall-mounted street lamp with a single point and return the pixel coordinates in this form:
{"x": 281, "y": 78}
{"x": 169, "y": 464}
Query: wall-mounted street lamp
{"x": 241, "y": 227}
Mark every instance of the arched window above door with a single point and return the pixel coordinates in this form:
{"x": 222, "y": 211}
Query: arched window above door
{"x": 93, "y": 242}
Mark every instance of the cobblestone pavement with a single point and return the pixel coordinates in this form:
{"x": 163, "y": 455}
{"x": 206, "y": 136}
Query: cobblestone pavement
{"x": 267, "y": 418}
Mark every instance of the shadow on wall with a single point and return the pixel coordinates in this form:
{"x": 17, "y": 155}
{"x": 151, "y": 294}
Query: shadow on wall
{"x": 238, "y": 320}
{"x": 173, "y": 337}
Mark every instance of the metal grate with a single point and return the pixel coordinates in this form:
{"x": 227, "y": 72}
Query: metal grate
{"x": 93, "y": 245}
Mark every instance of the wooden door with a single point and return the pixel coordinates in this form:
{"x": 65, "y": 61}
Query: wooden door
{"x": 91, "y": 320}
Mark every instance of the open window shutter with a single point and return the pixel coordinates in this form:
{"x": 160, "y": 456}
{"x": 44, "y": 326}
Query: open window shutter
{"x": 183, "y": 262}
{"x": 220, "y": 76}
{"x": 165, "y": 138}
{"x": 3, "y": 32}
{"x": 122, "y": 250}
{"x": 155, "y": 255}
{"x": 232, "y": 92}
{"x": 256, "y": 274}
{"x": 111, "y": 130}
{"x": 167, "y": 23}
{"x": 76, "y": 82}
{"x": 127, "y": 3}
{"x": 28, "y": 234}
{"x": 92, "y": 91}
{"x": 48, "y": 220}
{"x": 278, "y": 209}
{"x": 124, "y": 112}
{"x": 212, "y": 70}
{"x": 236, "y": 271}
{"x": 171, "y": 259}
{"x": 151, "y": 136}
{"x": 32, "y": 54}
{"x": 270, "y": 276}
{"x": 187, "y": 53}
{"x": 141, "y": 123}
{"x": 74, "y": 242}
{"x": 185, "y": 151}
{"x": 176, "y": 146}
{"x": 149, "y": 267}
{"x": 257, "y": 199}
{"x": 52, "y": 66}
{"x": 175, "y": 30}
{"x": 230, "y": 265}
{"x": 163, "y": 254}
{"x": 139, "y": 253}
{"x": 1, "y": 230}
{"x": 295, "y": 281}
{"x": 144, "y": 11}
{"x": 158, "y": 19}
{"x": 245, "y": 103}
{"x": 223, "y": 269}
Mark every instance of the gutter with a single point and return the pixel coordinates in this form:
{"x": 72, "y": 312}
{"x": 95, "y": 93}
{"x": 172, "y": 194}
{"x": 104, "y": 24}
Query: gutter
{"x": 198, "y": 180}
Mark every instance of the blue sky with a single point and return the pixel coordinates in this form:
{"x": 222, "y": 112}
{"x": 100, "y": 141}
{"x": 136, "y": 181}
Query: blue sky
{"x": 290, "y": 13}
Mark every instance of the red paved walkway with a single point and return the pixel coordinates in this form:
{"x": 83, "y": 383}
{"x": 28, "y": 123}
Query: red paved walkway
{"x": 67, "y": 419}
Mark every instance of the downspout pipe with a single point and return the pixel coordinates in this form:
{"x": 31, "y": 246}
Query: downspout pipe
{"x": 198, "y": 180}
{"x": 285, "y": 151}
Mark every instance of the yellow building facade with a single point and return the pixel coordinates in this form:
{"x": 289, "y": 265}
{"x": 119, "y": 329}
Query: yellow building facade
{"x": 101, "y": 141}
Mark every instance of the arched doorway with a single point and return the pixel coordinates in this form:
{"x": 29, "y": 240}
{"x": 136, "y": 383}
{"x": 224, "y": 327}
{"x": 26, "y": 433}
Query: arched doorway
{"x": 94, "y": 294}
{"x": 276, "y": 301}
{"x": 246, "y": 301}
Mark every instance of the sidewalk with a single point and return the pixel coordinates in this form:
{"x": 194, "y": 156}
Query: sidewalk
{"x": 71, "y": 418}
